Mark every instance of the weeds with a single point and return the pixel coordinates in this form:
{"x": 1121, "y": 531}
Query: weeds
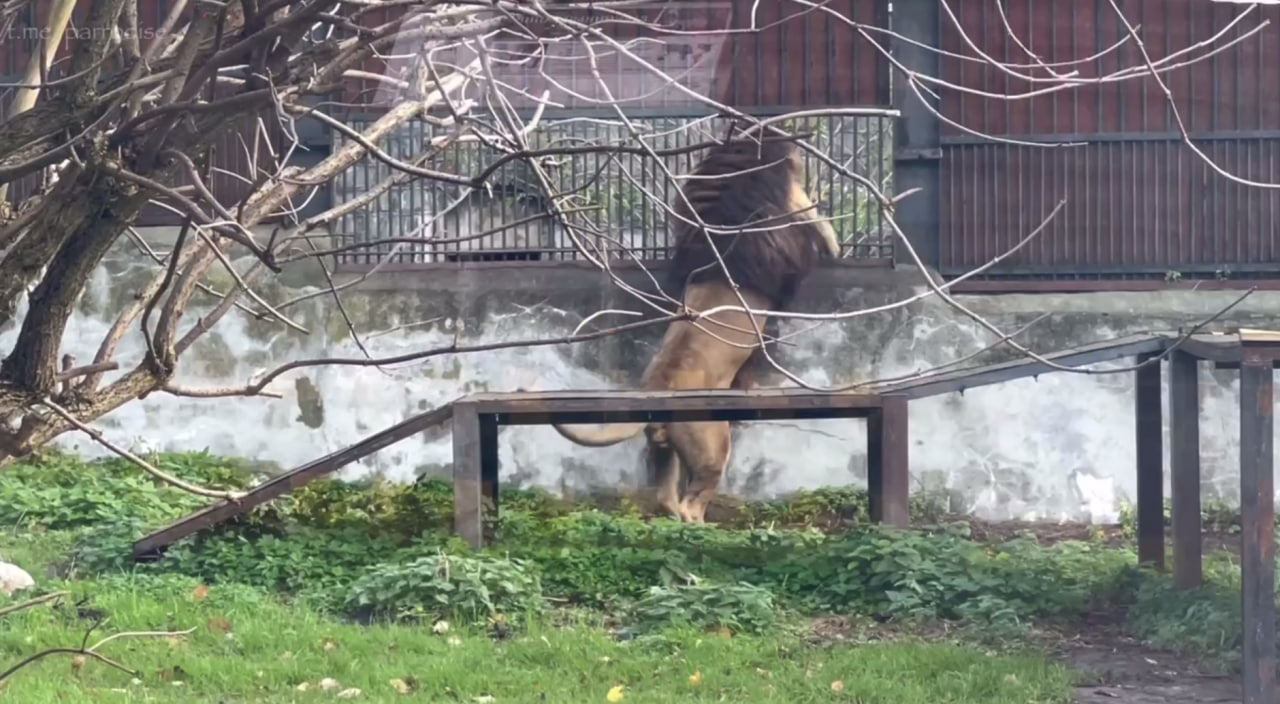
{"x": 383, "y": 552}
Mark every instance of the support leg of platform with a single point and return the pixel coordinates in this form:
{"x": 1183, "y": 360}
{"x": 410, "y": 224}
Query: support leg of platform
{"x": 1257, "y": 517}
{"x": 1184, "y": 460}
{"x": 468, "y": 506}
{"x": 1150, "y": 480}
{"x": 489, "y": 462}
{"x": 887, "y": 466}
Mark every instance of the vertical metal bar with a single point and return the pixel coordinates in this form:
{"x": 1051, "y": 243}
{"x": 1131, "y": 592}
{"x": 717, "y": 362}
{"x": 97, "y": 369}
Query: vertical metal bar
{"x": 489, "y": 464}
{"x": 755, "y": 68}
{"x": 1257, "y": 535}
{"x": 986, "y": 76}
{"x": 1106, "y": 230}
{"x": 1075, "y": 47}
{"x": 1142, "y": 21}
{"x": 392, "y": 143}
{"x": 433, "y": 194}
{"x": 1184, "y": 461}
{"x": 1136, "y": 204}
{"x": 887, "y": 462}
{"x": 1008, "y": 89}
{"x": 784, "y": 61}
{"x": 1257, "y": 84}
{"x": 1215, "y": 72}
{"x": 884, "y": 74}
{"x": 468, "y": 503}
{"x": 1098, "y": 45}
{"x": 1236, "y": 69}
{"x": 918, "y": 128}
{"x": 1167, "y": 123}
{"x": 735, "y": 51}
{"x": 1148, "y": 426}
{"x": 1190, "y": 115}
{"x": 828, "y": 94}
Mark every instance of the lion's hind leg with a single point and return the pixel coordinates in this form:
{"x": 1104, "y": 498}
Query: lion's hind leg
{"x": 664, "y": 464}
{"x": 703, "y": 448}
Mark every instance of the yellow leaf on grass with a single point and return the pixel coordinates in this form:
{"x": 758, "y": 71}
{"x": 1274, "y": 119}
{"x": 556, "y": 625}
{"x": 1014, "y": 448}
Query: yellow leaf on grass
{"x": 696, "y": 678}
{"x": 615, "y": 694}
{"x": 837, "y": 686}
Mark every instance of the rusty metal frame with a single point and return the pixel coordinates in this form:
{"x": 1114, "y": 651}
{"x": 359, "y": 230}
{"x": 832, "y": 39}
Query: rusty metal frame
{"x": 1256, "y": 360}
{"x": 1257, "y": 521}
{"x": 152, "y": 546}
{"x": 477, "y": 418}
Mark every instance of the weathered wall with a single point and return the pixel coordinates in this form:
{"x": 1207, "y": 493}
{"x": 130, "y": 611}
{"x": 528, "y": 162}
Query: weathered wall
{"x": 1057, "y": 447}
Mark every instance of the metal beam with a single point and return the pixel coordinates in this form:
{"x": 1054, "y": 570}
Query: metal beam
{"x": 1257, "y": 535}
{"x": 152, "y": 546}
{"x": 609, "y": 406}
{"x": 888, "y": 475}
{"x": 974, "y": 377}
{"x": 1184, "y": 460}
{"x": 1149, "y": 443}
{"x": 468, "y": 495}
{"x": 917, "y": 26}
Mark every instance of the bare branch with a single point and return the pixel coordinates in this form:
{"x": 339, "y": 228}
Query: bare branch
{"x": 141, "y": 463}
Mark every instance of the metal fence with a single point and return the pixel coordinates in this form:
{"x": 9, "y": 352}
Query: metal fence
{"x": 797, "y": 57}
{"x": 617, "y": 202}
{"x": 1140, "y": 202}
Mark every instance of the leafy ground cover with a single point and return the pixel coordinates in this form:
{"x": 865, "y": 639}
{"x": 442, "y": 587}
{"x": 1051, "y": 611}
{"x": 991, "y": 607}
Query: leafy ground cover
{"x": 797, "y": 600}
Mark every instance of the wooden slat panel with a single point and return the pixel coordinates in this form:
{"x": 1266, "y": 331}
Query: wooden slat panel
{"x": 1134, "y": 206}
{"x": 1236, "y": 89}
{"x": 149, "y": 546}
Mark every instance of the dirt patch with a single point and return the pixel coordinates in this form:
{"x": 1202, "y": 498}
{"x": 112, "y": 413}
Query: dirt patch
{"x": 1113, "y": 668}
{"x": 1117, "y": 669}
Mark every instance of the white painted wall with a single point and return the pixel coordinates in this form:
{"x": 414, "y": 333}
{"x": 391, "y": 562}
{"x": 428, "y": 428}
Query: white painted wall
{"x": 1060, "y": 447}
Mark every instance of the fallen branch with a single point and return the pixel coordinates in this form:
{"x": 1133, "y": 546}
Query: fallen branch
{"x": 30, "y": 603}
{"x": 141, "y": 463}
{"x": 92, "y": 651}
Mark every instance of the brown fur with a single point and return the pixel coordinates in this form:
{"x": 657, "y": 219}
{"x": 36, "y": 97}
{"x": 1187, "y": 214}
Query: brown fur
{"x": 767, "y": 266}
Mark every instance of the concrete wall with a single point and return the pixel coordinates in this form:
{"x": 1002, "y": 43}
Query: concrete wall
{"x": 1060, "y": 446}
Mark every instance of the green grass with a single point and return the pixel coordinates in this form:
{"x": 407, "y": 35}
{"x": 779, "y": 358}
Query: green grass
{"x": 301, "y": 573}
{"x": 250, "y": 646}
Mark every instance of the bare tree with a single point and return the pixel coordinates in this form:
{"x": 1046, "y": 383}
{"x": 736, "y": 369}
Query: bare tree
{"x": 130, "y": 118}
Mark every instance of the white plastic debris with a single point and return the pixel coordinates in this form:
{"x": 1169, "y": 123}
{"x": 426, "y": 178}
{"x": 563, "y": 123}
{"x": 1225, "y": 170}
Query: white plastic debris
{"x": 13, "y": 578}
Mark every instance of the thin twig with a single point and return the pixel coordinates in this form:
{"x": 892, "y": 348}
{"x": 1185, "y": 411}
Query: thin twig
{"x": 30, "y": 603}
{"x": 141, "y": 463}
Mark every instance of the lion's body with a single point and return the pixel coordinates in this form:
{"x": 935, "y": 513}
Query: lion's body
{"x": 713, "y": 353}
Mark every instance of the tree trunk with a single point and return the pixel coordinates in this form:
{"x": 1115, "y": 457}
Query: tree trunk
{"x": 72, "y": 240}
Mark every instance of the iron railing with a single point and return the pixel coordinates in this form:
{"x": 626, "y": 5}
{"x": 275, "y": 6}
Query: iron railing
{"x": 616, "y": 202}
{"x": 1139, "y": 202}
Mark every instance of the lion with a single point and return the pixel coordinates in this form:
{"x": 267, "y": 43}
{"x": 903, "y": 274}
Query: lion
{"x": 757, "y": 184}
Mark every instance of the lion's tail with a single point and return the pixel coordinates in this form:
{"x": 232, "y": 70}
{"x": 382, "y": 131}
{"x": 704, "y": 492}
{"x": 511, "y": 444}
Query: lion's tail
{"x": 603, "y": 437}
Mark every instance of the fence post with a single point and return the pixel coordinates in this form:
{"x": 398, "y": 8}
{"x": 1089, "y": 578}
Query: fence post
{"x": 917, "y": 136}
